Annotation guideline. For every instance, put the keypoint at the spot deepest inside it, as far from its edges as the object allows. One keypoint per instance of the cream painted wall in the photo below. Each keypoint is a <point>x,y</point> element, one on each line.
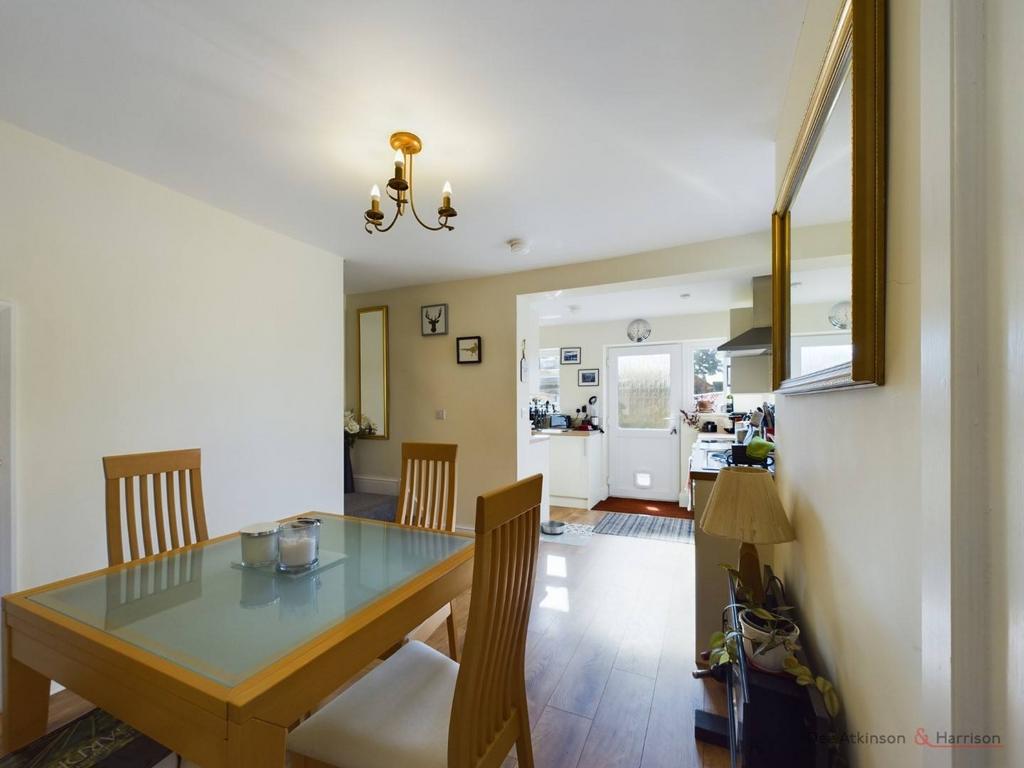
<point>147,320</point>
<point>850,462</point>
<point>593,338</point>
<point>486,409</point>
<point>482,400</point>
<point>1004,168</point>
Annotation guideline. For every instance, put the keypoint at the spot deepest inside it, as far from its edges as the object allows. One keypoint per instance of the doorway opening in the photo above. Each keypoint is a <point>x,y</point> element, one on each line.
<point>635,367</point>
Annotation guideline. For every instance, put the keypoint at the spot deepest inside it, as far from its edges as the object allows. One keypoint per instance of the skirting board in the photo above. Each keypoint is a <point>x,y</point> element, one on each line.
<point>388,486</point>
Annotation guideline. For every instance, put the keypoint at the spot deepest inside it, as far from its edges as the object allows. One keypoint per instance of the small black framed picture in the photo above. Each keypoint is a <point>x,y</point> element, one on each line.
<point>588,377</point>
<point>434,320</point>
<point>571,355</point>
<point>469,350</point>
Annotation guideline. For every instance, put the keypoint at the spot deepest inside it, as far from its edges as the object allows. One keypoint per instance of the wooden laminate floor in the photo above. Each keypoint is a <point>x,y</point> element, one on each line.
<point>608,658</point>
<point>609,655</point>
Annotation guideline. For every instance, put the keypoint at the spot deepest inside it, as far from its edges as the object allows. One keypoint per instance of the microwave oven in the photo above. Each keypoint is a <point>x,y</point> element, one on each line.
<point>560,421</point>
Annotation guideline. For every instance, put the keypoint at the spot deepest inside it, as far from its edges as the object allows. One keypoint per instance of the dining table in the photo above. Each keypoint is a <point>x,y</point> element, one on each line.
<point>215,660</point>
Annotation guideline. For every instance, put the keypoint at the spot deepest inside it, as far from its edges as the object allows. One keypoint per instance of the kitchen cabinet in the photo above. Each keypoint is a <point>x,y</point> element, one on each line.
<point>577,469</point>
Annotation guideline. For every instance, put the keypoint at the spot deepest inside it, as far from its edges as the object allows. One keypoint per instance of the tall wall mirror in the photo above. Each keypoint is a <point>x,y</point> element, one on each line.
<point>372,342</point>
<point>828,226</point>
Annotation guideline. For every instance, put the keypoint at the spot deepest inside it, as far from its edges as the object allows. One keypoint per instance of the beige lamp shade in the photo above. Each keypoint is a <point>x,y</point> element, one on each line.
<point>745,505</point>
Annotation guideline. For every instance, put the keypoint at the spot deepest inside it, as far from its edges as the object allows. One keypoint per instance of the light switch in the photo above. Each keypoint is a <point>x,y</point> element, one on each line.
<point>441,414</point>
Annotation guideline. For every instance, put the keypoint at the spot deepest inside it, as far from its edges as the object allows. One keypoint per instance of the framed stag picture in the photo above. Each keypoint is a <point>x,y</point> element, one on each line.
<point>588,377</point>
<point>469,350</point>
<point>434,320</point>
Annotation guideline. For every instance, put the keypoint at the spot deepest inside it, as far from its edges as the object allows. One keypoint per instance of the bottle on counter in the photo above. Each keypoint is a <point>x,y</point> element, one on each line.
<point>729,407</point>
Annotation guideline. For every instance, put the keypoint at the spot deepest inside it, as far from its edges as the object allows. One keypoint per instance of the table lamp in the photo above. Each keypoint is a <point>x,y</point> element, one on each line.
<point>745,505</point>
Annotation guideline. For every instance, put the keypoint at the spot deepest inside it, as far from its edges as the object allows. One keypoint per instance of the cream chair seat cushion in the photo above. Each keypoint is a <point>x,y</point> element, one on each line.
<point>397,715</point>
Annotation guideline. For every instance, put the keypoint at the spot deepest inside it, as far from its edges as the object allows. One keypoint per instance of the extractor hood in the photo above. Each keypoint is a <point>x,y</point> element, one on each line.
<point>758,339</point>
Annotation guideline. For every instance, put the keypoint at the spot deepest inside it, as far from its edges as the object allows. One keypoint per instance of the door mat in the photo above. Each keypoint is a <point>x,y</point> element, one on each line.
<point>643,507</point>
<point>646,527</point>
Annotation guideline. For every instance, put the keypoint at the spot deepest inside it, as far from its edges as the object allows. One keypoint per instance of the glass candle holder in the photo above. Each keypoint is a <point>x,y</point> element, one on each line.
<point>298,545</point>
<point>259,544</point>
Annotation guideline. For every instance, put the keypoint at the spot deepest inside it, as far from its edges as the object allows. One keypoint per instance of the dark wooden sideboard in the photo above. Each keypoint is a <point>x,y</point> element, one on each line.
<point>772,722</point>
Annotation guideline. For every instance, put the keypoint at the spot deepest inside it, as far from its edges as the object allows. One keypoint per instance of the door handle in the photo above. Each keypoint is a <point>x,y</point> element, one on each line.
<point>674,431</point>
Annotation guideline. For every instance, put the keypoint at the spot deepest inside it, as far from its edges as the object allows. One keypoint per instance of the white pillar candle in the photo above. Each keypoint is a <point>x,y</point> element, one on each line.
<point>297,551</point>
<point>259,544</point>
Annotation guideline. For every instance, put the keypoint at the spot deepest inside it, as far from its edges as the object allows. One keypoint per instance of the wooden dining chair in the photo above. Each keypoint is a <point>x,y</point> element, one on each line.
<point>420,709</point>
<point>172,481</point>
<point>426,499</point>
<point>426,494</point>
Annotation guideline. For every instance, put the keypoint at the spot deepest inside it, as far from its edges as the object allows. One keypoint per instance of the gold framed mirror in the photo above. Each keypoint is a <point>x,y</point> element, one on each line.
<point>828,226</point>
<point>372,391</point>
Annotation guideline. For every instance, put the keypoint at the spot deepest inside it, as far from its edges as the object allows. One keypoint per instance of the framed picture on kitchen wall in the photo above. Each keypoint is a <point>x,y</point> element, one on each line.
<point>571,355</point>
<point>588,377</point>
<point>434,320</point>
<point>469,350</point>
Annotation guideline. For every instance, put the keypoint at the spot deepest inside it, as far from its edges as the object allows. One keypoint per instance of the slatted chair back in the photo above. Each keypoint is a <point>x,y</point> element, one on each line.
<point>426,494</point>
<point>489,712</point>
<point>155,500</point>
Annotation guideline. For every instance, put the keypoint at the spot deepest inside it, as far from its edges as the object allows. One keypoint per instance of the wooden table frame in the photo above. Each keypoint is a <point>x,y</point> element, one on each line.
<point>211,724</point>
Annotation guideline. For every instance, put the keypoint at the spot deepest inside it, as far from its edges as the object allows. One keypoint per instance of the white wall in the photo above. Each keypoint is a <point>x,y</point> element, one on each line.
<point>850,463</point>
<point>147,320</point>
<point>532,456</point>
<point>1004,230</point>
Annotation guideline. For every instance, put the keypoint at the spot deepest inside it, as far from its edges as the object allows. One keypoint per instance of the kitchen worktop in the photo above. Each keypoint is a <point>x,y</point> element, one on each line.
<point>566,432</point>
<point>709,471</point>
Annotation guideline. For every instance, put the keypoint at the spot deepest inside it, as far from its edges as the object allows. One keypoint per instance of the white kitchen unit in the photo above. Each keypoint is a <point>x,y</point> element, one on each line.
<point>577,469</point>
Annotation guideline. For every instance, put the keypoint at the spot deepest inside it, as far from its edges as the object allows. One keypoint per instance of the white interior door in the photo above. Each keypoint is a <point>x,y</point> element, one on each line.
<point>645,390</point>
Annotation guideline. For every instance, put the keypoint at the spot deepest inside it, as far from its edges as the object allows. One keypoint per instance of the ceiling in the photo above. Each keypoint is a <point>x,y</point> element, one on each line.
<point>819,280</point>
<point>585,129</point>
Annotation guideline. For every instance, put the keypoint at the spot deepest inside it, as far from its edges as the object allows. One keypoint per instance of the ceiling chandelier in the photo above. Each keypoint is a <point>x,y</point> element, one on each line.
<point>406,145</point>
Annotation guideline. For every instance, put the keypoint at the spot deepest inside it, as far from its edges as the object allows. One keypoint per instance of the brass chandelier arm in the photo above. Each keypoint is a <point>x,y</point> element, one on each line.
<point>412,202</point>
<point>378,227</point>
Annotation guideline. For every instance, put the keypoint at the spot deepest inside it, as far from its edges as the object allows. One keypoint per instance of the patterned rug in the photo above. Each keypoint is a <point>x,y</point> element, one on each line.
<point>575,534</point>
<point>95,740</point>
<point>646,527</point>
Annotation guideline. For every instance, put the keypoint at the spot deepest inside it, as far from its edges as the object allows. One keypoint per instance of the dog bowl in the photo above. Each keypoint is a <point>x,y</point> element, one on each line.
<point>553,527</point>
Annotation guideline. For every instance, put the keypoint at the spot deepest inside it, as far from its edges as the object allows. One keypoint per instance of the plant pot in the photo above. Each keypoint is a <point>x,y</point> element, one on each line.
<point>758,632</point>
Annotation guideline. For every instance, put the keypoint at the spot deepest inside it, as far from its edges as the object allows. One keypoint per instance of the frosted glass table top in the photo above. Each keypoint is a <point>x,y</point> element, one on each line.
<point>198,609</point>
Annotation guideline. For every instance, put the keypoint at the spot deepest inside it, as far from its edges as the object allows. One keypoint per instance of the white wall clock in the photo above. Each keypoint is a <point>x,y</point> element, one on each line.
<point>841,315</point>
<point>638,330</point>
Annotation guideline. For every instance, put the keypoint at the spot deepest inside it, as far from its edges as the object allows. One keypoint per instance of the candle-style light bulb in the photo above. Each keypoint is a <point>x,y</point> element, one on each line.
<point>446,195</point>
<point>375,193</point>
<point>399,159</point>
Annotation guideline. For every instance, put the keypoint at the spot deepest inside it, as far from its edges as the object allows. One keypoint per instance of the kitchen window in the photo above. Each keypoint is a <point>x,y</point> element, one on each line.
<point>549,379</point>
<point>704,370</point>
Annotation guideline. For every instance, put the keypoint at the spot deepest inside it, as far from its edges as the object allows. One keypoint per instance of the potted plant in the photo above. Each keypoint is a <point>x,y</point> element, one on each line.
<point>768,638</point>
<point>353,430</point>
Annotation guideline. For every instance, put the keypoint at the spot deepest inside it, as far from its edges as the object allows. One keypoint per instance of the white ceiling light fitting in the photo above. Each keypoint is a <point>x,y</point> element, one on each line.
<point>518,246</point>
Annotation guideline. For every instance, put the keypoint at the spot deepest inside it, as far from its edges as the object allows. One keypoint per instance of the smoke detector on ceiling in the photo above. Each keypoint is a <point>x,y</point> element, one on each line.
<point>518,247</point>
